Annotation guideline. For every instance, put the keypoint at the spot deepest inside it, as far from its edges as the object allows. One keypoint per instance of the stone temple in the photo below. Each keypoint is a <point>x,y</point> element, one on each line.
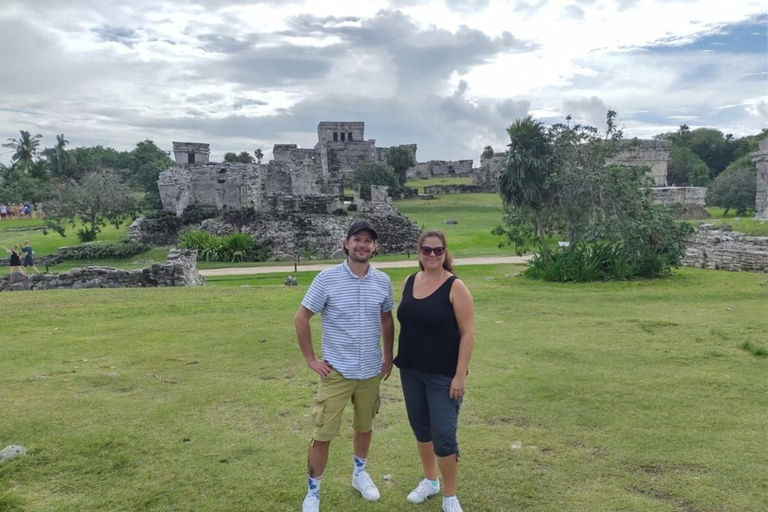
<point>341,148</point>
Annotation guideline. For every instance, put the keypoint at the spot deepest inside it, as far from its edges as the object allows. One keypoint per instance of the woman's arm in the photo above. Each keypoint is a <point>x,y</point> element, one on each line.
<point>464,309</point>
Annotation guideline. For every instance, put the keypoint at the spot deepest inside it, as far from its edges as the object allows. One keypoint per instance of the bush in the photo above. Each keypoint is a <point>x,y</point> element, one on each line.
<point>161,221</point>
<point>598,262</point>
<point>86,234</point>
<point>119,250</point>
<point>235,247</point>
<point>736,187</point>
<point>196,213</point>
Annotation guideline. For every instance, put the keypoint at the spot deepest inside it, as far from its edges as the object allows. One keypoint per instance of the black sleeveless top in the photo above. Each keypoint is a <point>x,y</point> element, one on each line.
<point>429,334</point>
<point>15,260</point>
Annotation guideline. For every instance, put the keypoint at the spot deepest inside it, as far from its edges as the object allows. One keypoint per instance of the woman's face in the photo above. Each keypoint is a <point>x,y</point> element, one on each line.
<point>432,260</point>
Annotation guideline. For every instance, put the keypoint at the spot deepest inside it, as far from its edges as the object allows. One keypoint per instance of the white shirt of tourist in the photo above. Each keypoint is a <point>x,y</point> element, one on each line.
<point>351,309</point>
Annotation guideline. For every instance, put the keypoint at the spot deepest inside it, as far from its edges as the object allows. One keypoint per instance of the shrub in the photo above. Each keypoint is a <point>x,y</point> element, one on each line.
<point>209,247</point>
<point>736,187</point>
<point>86,234</point>
<point>119,250</point>
<point>237,247</point>
<point>161,221</point>
<point>196,213</point>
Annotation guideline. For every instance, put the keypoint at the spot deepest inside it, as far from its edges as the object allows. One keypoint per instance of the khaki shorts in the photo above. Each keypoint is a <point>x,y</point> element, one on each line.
<point>333,393</point>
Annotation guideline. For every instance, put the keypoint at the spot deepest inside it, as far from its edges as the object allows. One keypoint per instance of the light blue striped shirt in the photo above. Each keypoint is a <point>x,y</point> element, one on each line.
<point>351,310</point>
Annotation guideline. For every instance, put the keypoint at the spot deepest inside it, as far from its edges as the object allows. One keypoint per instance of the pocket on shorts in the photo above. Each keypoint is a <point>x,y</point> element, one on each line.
<point>319,411</point>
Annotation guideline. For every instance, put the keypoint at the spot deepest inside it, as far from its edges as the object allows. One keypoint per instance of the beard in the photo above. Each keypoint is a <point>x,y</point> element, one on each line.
<point>358,258</point>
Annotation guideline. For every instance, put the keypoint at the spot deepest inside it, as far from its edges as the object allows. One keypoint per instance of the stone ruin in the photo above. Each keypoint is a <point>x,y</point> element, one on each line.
<point>296,198</point>
<point>760,159</point>
<point>180,269</point>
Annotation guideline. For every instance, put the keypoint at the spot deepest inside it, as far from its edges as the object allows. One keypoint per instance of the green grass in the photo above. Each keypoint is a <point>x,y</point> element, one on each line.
<point>594,397</point>
<point>743,224</point>
<point>16,231</point>
<point>477,214</point>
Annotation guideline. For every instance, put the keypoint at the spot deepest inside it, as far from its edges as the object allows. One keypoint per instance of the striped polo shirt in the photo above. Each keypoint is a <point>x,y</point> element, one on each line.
<point>351,309</point>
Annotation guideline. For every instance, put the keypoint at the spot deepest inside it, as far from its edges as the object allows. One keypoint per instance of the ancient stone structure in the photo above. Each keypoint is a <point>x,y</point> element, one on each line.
<point>653,154</point>
<point>668,196</point>
<point>488,173</point>
<point>190,153</point>
<point>719,248</point>
<point>440,168</point>
<point>459,189</point>
<point>179,270</point>
<point>760,159</point>
<point>341,149</point>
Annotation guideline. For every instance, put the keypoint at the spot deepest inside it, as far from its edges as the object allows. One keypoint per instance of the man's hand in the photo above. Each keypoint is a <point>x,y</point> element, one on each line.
<point>386,367</point>
<point>457,387</point>
<point>321,367</point>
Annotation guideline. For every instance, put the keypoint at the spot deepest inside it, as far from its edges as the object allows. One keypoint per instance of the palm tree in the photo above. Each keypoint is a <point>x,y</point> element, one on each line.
<point>61,154</point>
<point>259,155</point>
<point>524,180</point>
<point>25,148</point>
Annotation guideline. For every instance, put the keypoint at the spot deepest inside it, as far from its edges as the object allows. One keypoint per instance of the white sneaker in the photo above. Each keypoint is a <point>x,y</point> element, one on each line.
<point>363,483</point>
<point>311,503</point>
<point>452,505</point>
<point>424,490</point>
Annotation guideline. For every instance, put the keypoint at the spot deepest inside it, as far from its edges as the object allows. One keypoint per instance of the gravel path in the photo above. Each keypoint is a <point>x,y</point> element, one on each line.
<point>235,271</point>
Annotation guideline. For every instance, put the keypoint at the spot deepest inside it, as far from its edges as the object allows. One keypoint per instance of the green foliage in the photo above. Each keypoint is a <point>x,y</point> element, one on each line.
<point>400,159</point>
<point>100,198</point>
<point>196,213</point>
<point>119,250</point>
<point>161,222</point>
<point>244,157</point>
<point>259,154</point>
<point>374,173</point>
<point>17,186</point>
<point>754,349</point>
<point>24,148</point>
<point>86,234</point>
<point>710,145</point>
<point>488,151</point>
<point>92,159</point>
<point>735,188</point>
<point>146,163</point>
<point>234,247</point>
<point>686,168</point>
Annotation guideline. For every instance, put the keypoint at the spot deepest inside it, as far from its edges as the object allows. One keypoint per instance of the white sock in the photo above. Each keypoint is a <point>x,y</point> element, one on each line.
<point>313,485</point>
<point>359,465</point>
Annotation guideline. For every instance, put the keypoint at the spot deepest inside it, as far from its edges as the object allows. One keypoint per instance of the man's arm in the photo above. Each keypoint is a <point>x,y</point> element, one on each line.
<point>388,334</point>
<point>304,335</point>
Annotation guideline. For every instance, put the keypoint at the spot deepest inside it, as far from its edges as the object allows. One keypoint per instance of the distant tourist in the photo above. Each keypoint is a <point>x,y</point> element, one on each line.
<point>437,335</point>
<point>29,260</point>
<point>15,259</point>
<point>356,303</point>
<point>3,212</point>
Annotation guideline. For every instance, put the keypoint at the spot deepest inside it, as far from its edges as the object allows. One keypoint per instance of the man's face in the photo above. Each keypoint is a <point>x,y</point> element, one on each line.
<point>360,246</point>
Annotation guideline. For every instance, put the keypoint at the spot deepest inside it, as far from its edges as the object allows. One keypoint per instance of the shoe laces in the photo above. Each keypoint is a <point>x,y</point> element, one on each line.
<point>452,506</point>
<point>364,480</point>
<point>424,488</point>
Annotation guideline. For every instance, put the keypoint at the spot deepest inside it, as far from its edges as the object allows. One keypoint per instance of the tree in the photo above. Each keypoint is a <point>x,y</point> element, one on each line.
<point>488,152</point>
<point>243,157</point>
<point>146,164</point>
<point>684,167</point>
<point>374,173</point>
<point>24,148</point>
<point>525,180</point>
<point>259,154</point>
<point>400,159</point>
<point>60,160</point>
<point>100,198</point>
<point>94,158</point>
<point>735,188</point>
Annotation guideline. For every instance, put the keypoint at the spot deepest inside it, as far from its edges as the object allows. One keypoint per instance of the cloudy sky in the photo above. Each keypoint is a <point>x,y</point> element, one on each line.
<point>448,75</point>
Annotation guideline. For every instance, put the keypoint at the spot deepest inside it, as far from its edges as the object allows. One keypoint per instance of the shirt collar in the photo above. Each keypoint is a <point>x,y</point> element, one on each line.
<point>349,270</point>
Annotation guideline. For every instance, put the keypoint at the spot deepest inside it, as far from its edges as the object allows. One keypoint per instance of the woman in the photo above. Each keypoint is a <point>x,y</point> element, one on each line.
<point>15,259</point>
<point>437,326</point>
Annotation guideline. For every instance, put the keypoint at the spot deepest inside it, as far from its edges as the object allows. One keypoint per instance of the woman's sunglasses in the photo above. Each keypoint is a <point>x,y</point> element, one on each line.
<point>426,251</point>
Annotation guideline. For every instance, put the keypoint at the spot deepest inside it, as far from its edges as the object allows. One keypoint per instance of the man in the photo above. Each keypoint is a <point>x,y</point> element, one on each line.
<point>356,303</point>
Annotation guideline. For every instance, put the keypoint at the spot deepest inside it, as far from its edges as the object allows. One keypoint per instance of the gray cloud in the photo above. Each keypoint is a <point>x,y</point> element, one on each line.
<point>467,6</point>
<point>510,109</point>
<point>591,111</point>
<point>574,11</point>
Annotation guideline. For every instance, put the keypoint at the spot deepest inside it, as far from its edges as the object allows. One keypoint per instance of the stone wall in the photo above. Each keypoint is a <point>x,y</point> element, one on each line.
<point>179,270</point>
<point>458,189</point>
<point>488,173</point>
<point>760,159</point>
<point>719,248</point>
<point>688,196</point>
<point>441,168</point>
<point>653,154</point>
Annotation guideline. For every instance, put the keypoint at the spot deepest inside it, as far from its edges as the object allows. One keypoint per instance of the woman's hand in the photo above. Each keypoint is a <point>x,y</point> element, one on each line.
<point>458,385</point>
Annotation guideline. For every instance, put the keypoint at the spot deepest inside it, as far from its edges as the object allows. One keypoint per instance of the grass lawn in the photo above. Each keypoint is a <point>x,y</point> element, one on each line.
<point>743,224</point>
<point>16,231</point>
<point>592,397</point>
<point>477,214</point>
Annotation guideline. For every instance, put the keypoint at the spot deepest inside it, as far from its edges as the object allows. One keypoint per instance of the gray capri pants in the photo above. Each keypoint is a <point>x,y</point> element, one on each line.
<point>431,412</point>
